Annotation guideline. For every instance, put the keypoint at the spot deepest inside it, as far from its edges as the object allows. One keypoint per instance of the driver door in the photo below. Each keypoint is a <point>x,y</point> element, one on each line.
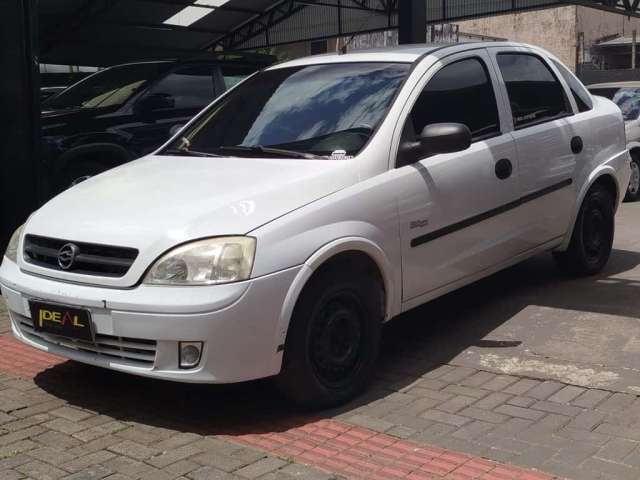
<point>455,209</point>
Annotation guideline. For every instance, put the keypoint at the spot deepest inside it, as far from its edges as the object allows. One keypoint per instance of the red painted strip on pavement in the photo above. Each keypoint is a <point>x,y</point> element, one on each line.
<point>327,444</point>
<point>24,361</point>
<point>358,453</point>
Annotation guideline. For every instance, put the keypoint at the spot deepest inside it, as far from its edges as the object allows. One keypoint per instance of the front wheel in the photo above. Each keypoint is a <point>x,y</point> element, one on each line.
<point>333,341</point>
<point>592,239</point>
<point>633,192</point>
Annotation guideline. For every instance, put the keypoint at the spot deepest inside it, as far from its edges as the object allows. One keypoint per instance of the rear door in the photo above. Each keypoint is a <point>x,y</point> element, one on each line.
<point>547,143</point>
<point>455,220</point>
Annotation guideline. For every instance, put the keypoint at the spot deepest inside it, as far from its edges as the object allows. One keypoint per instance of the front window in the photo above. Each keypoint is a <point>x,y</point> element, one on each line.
<point>316,110</point>
<point>186,88</point>
<point>460,92</point>
<point>108,88</point>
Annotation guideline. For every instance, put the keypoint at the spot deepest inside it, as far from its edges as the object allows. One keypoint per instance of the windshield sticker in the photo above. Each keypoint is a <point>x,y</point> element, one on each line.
<point>340,155</point>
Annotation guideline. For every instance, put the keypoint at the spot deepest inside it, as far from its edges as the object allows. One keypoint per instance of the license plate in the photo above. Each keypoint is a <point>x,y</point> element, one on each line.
<point>60,320</point>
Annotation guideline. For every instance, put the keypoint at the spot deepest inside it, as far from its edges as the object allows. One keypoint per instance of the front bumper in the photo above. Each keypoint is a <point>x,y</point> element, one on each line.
<point>138,330</point>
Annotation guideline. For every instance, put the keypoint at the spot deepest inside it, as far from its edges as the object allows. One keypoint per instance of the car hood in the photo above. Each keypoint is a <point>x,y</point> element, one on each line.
<point>46,114</point>
<point>54,116</point>
<point>158,202</point>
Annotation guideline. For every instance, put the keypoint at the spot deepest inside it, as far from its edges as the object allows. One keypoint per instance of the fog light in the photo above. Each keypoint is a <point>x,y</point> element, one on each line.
<point>190,353</point>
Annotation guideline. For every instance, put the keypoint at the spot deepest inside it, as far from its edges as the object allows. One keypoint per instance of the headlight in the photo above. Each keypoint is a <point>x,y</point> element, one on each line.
<point>205,262</point>
<point>12,249</point>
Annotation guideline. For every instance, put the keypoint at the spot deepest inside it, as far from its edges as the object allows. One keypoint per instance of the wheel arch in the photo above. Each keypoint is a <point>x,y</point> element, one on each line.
<point>634,149</point>
<point>117,153</point>
<point>606,176</point>
<point>344,249</point>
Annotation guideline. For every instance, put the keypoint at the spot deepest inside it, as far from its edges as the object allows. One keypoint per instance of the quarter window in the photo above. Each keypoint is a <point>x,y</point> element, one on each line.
<point>535,93</point>
<point>579,92</point>
<point>460,92</point>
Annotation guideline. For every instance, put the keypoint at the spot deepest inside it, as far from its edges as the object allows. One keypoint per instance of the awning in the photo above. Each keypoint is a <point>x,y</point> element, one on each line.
<point>107,32</point>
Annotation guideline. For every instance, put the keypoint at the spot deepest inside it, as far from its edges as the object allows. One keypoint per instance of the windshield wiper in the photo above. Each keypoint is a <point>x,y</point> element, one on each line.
<point>184,151</point>
<point>268,151</point>
<point>187,153</point>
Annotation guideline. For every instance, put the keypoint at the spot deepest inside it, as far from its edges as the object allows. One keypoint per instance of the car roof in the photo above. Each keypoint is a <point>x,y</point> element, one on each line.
<point>615,85</point>
<point>259,59</point>
<point>402,54</point>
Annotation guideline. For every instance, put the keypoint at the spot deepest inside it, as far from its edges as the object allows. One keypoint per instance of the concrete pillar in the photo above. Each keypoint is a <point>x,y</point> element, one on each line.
<point>633,49</point>
<point>19,128</point>
<point>412,21</point>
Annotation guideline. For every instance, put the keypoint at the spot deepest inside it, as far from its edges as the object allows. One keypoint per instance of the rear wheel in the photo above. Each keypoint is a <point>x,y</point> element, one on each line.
<point>633,192</point>
<point>333,340</point>
<point>592,238</point>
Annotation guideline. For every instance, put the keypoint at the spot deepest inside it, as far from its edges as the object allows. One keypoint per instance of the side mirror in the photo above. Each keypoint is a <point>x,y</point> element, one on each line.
<point>435,139</point>
<point>154,102</point>
<point>444,138</point>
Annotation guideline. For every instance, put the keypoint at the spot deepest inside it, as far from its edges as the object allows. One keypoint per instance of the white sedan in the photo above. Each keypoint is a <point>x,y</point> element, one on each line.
<point>321,197</point>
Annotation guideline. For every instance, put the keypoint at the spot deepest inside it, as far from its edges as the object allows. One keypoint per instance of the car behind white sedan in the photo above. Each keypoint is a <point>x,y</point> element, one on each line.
<point>627,96</point>
<point>281,227</point>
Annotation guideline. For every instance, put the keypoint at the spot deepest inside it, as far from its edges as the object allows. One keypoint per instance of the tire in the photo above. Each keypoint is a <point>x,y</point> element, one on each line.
<point>633,192</point>
<point>592,238</point>
<point>333,341</point>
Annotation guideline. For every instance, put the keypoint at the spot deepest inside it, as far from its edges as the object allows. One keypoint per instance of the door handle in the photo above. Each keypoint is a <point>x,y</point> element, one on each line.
<point>577,145</point>
<point>504,169</point>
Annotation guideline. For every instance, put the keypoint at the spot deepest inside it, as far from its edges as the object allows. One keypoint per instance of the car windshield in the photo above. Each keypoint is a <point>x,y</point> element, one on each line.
<point>627,98</point>
<point>299,112</point>
<point>108,88</point>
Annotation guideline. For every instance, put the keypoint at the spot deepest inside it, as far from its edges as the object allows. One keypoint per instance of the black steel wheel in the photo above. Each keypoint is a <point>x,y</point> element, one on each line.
<point>333,340</point>
<point>592,239</point>
<point>336,338</point>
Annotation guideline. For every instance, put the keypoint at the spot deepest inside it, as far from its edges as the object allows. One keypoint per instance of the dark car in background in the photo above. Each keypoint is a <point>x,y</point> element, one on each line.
<point>124,112</point>
<point>48,92</point>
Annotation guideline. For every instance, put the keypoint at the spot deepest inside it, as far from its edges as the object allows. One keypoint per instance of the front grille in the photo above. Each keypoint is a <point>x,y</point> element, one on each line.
<point>90,258</point>
<point>132,350</point>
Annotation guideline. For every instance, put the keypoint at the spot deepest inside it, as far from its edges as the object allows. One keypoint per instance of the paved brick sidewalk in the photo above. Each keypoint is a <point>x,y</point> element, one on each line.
<point>77,421</point>
<point>73,421</point>
<point>560,429</point>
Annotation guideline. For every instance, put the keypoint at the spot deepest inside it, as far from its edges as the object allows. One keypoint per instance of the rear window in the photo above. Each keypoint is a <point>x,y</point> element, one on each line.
<point>234,74</point>
<point>535,93</point>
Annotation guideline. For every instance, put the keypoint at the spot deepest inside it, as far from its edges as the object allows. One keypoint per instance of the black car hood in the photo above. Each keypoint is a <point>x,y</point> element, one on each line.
<point>72,114</point>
